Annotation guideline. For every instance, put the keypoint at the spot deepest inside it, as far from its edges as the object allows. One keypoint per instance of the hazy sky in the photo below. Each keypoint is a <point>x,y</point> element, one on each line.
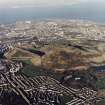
<point>19,3</point>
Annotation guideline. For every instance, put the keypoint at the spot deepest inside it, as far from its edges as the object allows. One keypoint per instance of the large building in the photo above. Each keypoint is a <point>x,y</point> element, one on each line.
<point>3,50</point>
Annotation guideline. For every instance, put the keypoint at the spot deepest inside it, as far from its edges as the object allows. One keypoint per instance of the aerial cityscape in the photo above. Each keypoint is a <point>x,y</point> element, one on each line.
<point>51,57</point>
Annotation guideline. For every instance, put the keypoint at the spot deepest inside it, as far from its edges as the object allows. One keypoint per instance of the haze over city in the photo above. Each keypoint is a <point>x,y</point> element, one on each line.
<point>29,3</point>
<point>17,10</point>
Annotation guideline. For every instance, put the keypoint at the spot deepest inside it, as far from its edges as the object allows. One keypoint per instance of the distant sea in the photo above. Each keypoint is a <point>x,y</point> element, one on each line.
<point>91,12</point>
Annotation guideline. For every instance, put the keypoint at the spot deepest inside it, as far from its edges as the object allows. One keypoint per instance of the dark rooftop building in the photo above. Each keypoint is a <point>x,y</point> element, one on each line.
<point>100,69</point>
<point>3,49</point>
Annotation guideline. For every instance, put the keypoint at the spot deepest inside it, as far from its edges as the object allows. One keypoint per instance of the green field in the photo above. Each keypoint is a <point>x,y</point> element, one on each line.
<point>101,103</point>
<point>101,83</point>
<point>31,70</point>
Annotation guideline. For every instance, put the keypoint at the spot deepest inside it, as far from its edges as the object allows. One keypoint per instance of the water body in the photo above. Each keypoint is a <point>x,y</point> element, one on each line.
<point>86,11</point>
